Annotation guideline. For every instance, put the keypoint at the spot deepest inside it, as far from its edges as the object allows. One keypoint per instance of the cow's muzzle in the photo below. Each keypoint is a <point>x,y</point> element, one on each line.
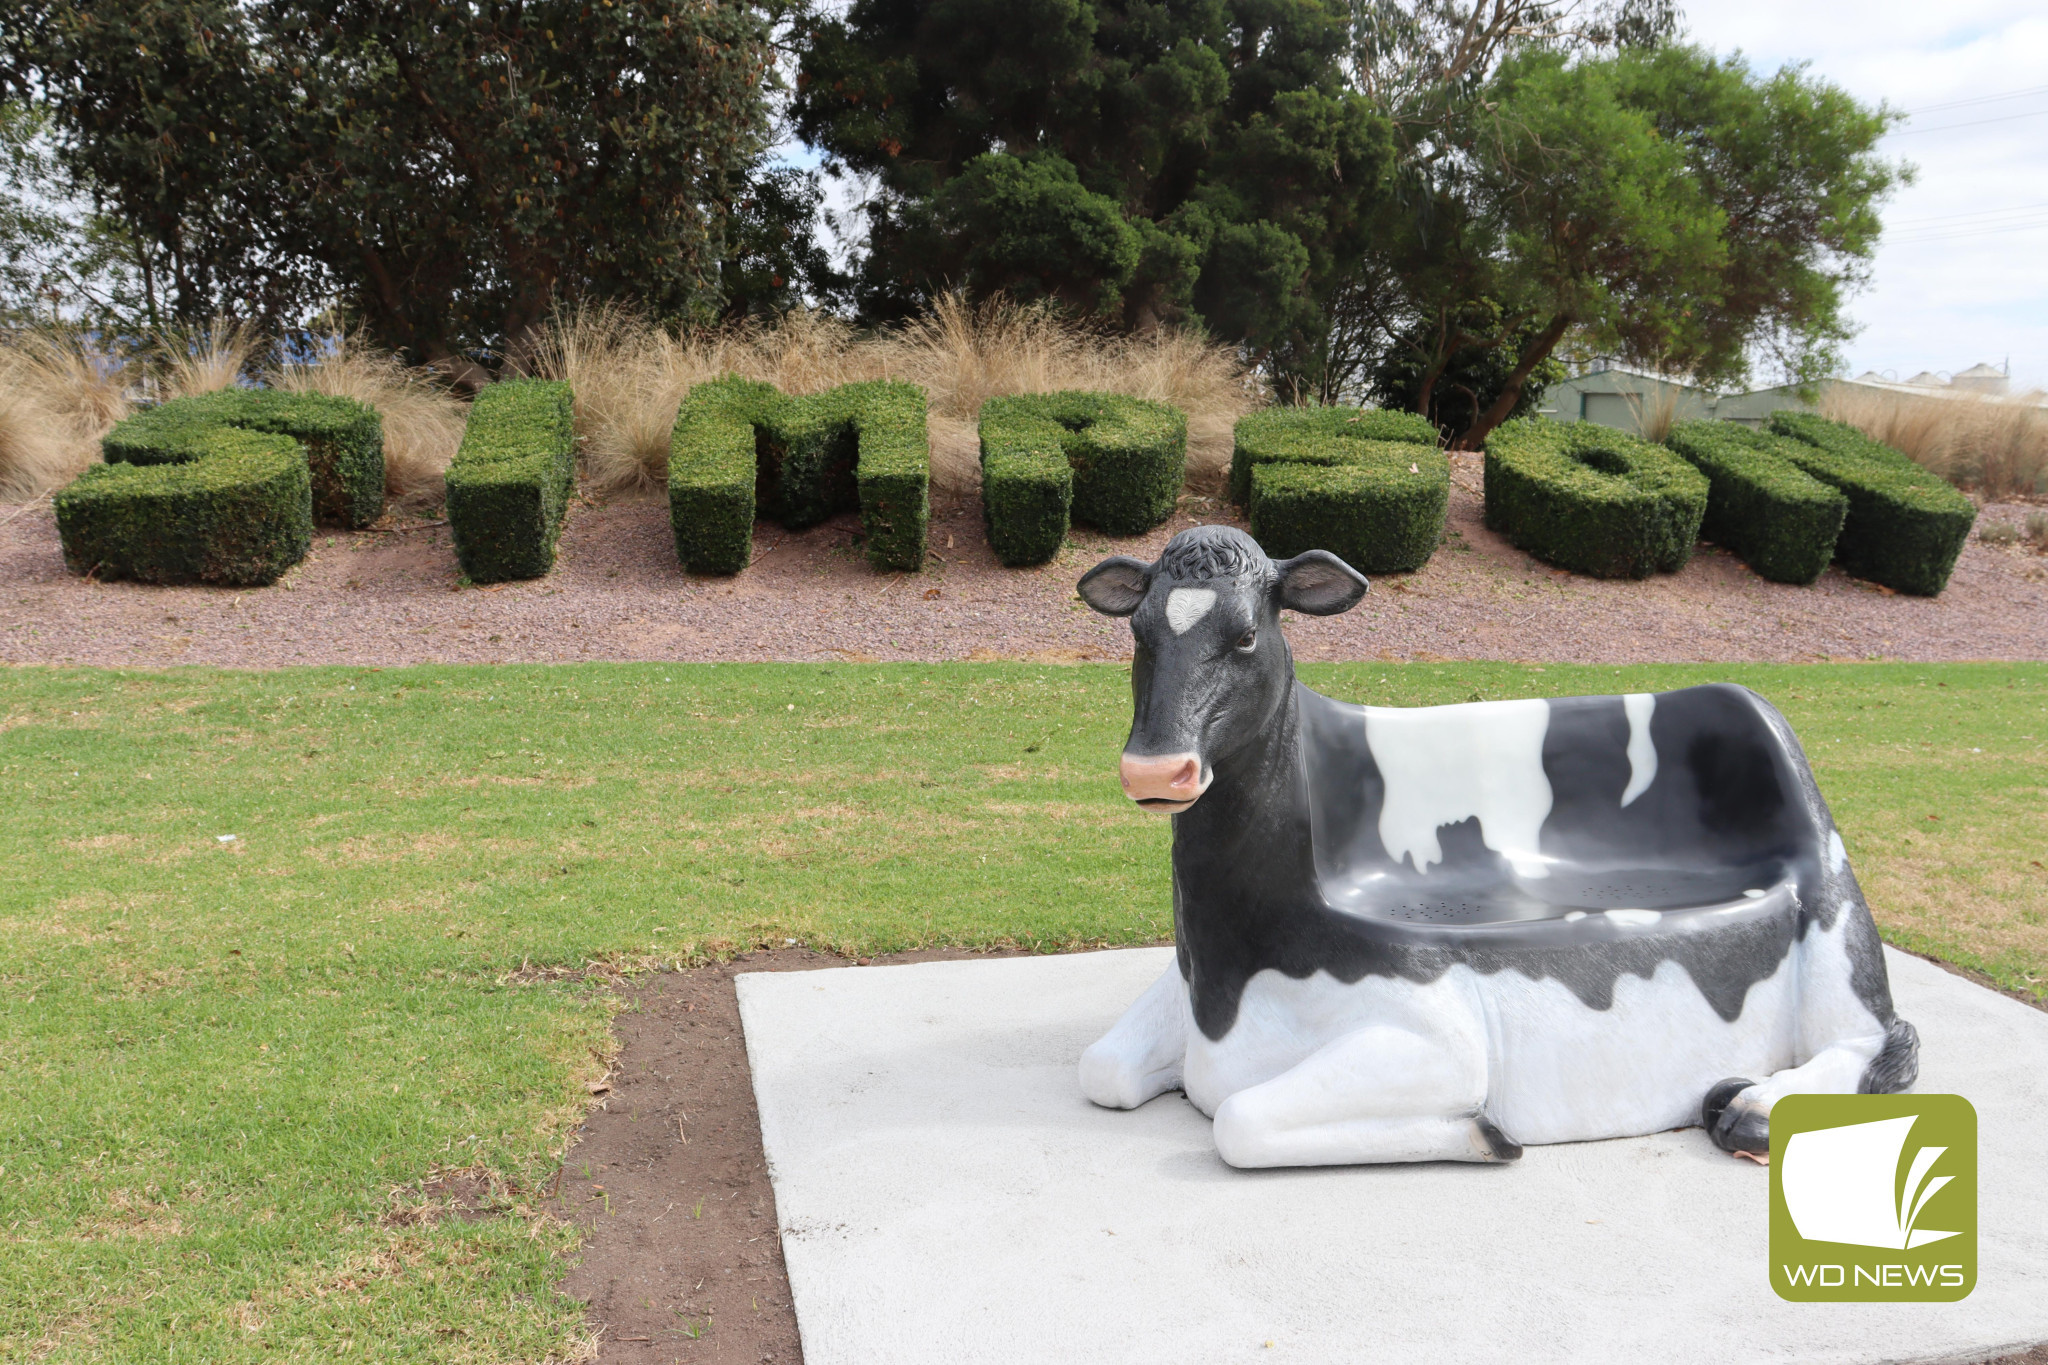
<point>1167,783</point>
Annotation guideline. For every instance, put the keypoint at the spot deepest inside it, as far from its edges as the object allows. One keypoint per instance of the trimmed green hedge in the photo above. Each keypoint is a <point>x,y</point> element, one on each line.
<point>741,449</point>
<point>510,481</point>
<point>1905,525</point>
<point>1592,499</point>
<point>196,490</point>
<point>1306,436</point>
<point>1782,521</point>
<point>343,441</point>
<point>1103,459</point>
<point>713,464</point>
<point>178,504</point>
<point>1369,486</point>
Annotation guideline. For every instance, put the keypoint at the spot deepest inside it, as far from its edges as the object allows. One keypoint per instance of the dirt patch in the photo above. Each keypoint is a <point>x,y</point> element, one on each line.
<point>683,1255</point>
<point>618,593</point>
<point>465,1193</point>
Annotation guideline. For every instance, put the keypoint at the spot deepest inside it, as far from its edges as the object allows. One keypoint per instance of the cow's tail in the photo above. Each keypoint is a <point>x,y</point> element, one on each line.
<point>1896,1065</point>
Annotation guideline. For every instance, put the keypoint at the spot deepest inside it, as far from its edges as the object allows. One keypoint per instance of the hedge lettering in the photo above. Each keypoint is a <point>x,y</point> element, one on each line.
<point>1369,486</point>
<point>1105,460</point>
<point>1905,525</point>
<point>1761,505</point>
<point>741,449</point>
<point>223,487</point>
<point>1592,499</point>
<point>511,478</point>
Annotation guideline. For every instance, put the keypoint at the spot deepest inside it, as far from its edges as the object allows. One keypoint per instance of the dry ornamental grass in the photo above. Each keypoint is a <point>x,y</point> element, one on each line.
<point>59,393</point>
<point>1995,446</point>
<point>422,418</point>
<point>205,358</point>
<point>629,376</point>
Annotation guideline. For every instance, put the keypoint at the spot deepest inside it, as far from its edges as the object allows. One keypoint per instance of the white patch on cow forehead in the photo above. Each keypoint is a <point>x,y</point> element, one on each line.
<point>1185,606</point>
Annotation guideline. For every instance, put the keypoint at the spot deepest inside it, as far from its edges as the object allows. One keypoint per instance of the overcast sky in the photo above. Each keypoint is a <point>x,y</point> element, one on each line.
<point>1962,275</point>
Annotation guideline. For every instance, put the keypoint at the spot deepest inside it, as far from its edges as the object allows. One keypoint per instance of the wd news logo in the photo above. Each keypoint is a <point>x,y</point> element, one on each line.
<point>1873,1197</point>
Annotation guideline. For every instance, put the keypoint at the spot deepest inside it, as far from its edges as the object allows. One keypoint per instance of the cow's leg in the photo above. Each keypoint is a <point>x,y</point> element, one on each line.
<point>1380,1093</point>
<point>1140,1057</point>
<point>1849,1048</point>
<point>1737,1112</point>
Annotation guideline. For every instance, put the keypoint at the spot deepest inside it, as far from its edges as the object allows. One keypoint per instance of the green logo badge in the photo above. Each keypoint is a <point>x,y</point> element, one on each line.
<point>1873,1198</point>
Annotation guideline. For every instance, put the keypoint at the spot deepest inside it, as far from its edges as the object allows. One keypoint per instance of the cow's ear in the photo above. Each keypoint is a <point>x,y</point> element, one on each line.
<point>1116,586</point>
<point>1319,584</point>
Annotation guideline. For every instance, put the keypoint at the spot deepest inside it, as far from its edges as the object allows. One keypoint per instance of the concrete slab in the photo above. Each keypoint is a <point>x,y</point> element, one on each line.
<point>946,1195</point>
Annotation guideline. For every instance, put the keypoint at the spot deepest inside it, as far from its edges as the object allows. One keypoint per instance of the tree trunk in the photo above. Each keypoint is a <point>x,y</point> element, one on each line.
<point>1426,395</point>
<point>1474,436</point>
<point>1448,344</point>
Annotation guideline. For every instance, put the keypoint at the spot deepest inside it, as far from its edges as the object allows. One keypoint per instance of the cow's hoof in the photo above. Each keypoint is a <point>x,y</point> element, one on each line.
<point>1494,1145</point>
<point>1733,1125</point>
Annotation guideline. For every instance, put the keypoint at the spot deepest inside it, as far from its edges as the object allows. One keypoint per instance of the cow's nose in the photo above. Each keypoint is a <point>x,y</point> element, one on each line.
<point>1164,782</point>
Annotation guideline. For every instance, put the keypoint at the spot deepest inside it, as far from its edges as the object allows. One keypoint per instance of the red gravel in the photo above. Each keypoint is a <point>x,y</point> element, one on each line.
<point>382,598</point>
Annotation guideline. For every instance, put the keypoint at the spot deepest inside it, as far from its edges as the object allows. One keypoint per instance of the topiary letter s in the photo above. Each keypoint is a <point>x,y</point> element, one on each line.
<point>1370,486</point>
<point>223,487</point>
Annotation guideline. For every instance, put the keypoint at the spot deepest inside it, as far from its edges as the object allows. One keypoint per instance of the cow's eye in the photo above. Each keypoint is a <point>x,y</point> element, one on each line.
<point>1249,640</point>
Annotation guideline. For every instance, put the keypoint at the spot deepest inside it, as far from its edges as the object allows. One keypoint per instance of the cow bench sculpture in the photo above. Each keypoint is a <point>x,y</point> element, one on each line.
<point>1438,933</point>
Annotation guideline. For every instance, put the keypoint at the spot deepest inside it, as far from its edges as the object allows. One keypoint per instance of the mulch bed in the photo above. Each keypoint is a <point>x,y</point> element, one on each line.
<point>682,1259</point>
<point>395,597</point>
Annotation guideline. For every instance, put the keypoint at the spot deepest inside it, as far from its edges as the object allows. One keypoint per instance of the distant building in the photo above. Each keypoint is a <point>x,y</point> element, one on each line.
<point>1617,396</point>
<point>1982,379</point>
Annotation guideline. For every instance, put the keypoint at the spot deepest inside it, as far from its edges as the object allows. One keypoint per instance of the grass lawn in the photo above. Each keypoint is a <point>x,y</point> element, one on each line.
<point>226,1062</point>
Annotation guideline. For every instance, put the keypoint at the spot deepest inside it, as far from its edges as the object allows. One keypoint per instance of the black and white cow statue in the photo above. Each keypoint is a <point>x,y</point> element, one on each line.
<point>1438,933</point>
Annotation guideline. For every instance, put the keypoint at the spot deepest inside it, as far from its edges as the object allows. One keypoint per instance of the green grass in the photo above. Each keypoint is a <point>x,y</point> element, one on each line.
<point>224,1064</point>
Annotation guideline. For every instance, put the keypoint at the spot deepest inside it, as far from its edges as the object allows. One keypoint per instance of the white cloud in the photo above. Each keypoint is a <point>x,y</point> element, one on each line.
<point>1962,275</point>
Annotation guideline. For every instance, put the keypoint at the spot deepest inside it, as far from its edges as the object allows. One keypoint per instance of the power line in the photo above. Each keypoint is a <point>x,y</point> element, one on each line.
<point>1978,213</point>
<point>1915,239</point>
<point>1977,99</point>
<point>1970,123</point>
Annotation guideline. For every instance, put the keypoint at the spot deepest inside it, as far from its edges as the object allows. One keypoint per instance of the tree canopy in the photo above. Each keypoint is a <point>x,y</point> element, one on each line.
<point>446,171</point>
<point>1136,161</point>
<point>1659,204</point>
<point>58,259</point>
<point>1371,199</point>
<point>1423,201</point>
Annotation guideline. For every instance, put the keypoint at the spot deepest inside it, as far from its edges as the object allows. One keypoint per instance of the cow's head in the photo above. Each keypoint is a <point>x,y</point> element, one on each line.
<point>1211,666</point>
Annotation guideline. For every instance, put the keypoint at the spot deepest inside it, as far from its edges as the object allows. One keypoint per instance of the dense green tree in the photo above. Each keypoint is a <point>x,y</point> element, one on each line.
<point>1138,161</point>
<point>774,259</point>
<point>158,109</point>
<point>1653,201</point>
<point>449,171</point>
